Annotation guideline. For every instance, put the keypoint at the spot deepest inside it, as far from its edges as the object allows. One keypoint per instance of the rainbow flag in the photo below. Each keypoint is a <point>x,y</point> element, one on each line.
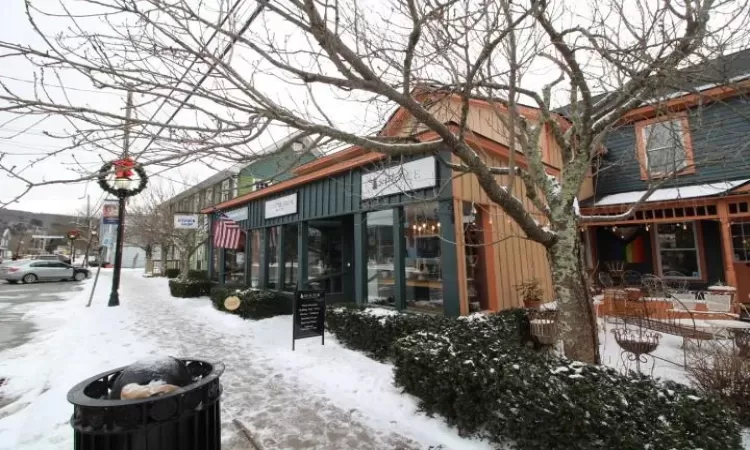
<point>635,251</point>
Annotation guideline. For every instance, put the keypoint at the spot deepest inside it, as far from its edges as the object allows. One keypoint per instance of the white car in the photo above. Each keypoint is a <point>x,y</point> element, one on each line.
<point>31,271</point>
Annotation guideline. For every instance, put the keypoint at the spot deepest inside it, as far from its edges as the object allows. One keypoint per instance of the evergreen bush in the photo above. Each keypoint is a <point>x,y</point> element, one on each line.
<point>172,273</point>
<point>486,384</point>
<point>197,274</point>
<point>189,288</point>
<point>477,372</point>
<point>254,304</point>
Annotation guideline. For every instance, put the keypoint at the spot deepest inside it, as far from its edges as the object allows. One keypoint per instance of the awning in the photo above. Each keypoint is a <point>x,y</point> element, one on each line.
<point>671,194</point>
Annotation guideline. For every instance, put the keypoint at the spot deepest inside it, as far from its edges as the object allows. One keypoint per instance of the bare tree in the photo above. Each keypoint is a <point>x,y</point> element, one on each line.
<point>150,224</point>
<point>229,76</point>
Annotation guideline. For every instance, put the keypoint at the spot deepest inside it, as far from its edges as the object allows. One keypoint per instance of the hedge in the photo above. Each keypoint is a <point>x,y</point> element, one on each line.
<point>197,274</point>
<point>374,331</point>
<point>189,288</point>
<point>477,373</point>
<point>254,304</point>
<point>172,273</point>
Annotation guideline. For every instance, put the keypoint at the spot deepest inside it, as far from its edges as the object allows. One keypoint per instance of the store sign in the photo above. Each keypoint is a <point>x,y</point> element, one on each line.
<point>309,315</point>
<point>186,221</point>
<point>237,214</point>
<point>419,174</point>
<point>282,206</point>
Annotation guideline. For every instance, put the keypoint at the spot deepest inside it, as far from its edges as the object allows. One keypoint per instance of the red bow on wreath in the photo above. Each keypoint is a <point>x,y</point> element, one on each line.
<point>123,168</point>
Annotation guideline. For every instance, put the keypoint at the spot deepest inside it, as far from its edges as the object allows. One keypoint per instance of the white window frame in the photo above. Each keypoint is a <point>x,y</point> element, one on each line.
<point>647,151</point>
<point>697,249</point>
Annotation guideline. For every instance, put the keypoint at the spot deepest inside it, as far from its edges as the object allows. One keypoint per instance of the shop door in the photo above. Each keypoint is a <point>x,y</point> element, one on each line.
<point>741,252</point>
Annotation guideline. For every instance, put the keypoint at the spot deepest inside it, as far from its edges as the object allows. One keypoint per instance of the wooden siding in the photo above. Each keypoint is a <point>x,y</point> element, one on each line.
<point>483,120</point>
<point>719,133</point>
<point>517,259</point>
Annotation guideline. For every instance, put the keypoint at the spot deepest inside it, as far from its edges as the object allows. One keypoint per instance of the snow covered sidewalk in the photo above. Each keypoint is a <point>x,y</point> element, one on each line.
<point>318,397</point>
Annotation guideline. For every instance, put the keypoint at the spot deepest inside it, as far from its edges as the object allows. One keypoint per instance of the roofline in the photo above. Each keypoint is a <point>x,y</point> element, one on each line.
<point>363,159</point>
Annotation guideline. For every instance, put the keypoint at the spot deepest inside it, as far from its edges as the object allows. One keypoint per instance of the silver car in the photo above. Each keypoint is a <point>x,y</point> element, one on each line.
<point>31,271</point>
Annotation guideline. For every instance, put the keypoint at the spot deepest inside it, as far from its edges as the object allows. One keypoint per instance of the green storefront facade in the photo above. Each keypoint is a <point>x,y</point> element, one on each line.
<point>377,232</point>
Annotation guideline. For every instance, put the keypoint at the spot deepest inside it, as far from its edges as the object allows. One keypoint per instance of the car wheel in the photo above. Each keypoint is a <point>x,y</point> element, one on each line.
<point>30,278</point>
<point>79,276</point>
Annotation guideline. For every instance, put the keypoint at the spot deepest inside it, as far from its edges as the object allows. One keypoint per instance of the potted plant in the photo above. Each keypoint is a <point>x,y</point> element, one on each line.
<point>531,292</point>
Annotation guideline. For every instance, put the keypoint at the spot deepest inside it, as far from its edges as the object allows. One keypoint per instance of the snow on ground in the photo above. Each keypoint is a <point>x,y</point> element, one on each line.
<point>324,397</point>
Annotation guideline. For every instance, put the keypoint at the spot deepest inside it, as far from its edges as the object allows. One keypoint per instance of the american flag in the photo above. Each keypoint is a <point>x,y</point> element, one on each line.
<point>227,233</point>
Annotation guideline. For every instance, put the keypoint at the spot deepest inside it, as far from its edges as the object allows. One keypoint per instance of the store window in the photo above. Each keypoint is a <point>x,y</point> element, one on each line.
<point>325,256</point>
<point>290,257</point>
<point>380,258</point>
<point>273,257</point>
<point>678,250</point>
<point>424,285</point>
<point>254,258</point>
<point>234,266</point>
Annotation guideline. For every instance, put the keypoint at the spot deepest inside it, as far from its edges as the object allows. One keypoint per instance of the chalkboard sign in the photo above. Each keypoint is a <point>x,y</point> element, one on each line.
<point>309,315</point>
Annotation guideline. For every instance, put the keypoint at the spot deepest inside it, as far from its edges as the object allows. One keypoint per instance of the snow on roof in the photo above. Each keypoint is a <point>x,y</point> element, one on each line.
<point>673,193</point>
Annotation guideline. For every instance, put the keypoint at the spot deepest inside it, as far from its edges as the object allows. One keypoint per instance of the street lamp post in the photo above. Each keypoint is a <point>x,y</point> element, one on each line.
<point>121,184</point>
<point>122,189</point>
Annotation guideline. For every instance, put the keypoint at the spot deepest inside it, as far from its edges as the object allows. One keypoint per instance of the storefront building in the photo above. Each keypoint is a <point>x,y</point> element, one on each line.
<point>409,234</point>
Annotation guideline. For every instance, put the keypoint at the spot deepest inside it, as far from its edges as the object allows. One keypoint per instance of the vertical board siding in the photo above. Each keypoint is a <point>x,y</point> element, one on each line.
<point>518,259</point>
<point>719,133</point>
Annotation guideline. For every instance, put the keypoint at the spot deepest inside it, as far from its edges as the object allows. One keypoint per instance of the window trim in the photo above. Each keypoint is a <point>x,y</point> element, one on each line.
<point>697,237</point>
<point>687,144</point>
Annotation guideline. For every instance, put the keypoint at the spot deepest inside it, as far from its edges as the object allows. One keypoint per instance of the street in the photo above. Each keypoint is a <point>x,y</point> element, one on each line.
<point>17,299</point>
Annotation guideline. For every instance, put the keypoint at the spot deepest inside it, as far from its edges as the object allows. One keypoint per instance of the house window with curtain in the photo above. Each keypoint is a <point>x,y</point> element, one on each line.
<point>664,147</point>
<point>678,253</point>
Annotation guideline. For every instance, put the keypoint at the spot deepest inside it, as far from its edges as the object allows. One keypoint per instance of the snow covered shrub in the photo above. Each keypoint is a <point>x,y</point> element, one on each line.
<point>717,368</point>
<point>254,304</point>
<point>172,273</point>
<point>189,288</point>
<point>197,274</point>
<point>374,330</point>
<point>482,381</point>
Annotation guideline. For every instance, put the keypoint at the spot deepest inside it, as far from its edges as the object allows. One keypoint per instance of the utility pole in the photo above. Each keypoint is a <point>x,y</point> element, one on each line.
<point>88,226</point>
<point>114,296</point>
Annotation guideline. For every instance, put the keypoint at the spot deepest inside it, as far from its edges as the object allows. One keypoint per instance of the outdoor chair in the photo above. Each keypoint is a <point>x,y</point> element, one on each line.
<point>631,278</point>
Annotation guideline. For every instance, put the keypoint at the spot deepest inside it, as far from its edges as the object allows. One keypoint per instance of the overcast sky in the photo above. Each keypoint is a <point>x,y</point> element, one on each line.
<point>24,139</point>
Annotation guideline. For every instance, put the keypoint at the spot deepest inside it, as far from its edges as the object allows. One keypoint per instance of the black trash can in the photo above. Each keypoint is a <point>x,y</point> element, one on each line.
<point>186,419</point>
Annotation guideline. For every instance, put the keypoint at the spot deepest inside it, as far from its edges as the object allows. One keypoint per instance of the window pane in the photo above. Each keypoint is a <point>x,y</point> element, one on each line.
<point>273,253</point>
<point>683,261</point>
<point>424,286</point>
<point>664,146</point>
<point>325,256</point>
<point>676,236</point>
<point>290,257</point>
<point>234,266</point>
<point>380,253</point>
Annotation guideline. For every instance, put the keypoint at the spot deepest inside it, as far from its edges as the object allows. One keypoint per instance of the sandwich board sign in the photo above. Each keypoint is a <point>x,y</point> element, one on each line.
<point>309,315</point>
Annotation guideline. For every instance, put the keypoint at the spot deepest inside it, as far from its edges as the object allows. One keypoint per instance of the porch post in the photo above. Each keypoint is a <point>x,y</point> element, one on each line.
<point>209,244</point>
<point>302,235</point>
<point>360,259</point>
<point>727,248</point>
<point>280,258</point>
<point>263,259</point>
<point>449,258</point>
<point>248,257</point>
<point>399,257</point>
<point>222,262</point>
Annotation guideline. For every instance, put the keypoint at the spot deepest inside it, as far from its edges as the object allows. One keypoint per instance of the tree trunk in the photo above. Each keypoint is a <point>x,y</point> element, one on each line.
<point>577,320</point>
<point>184,264</point>
<point>163,259</point>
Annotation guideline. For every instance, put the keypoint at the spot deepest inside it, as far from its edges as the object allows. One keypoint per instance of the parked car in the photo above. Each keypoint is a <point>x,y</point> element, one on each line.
<point>33,270</point>
<point>52,257</point>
